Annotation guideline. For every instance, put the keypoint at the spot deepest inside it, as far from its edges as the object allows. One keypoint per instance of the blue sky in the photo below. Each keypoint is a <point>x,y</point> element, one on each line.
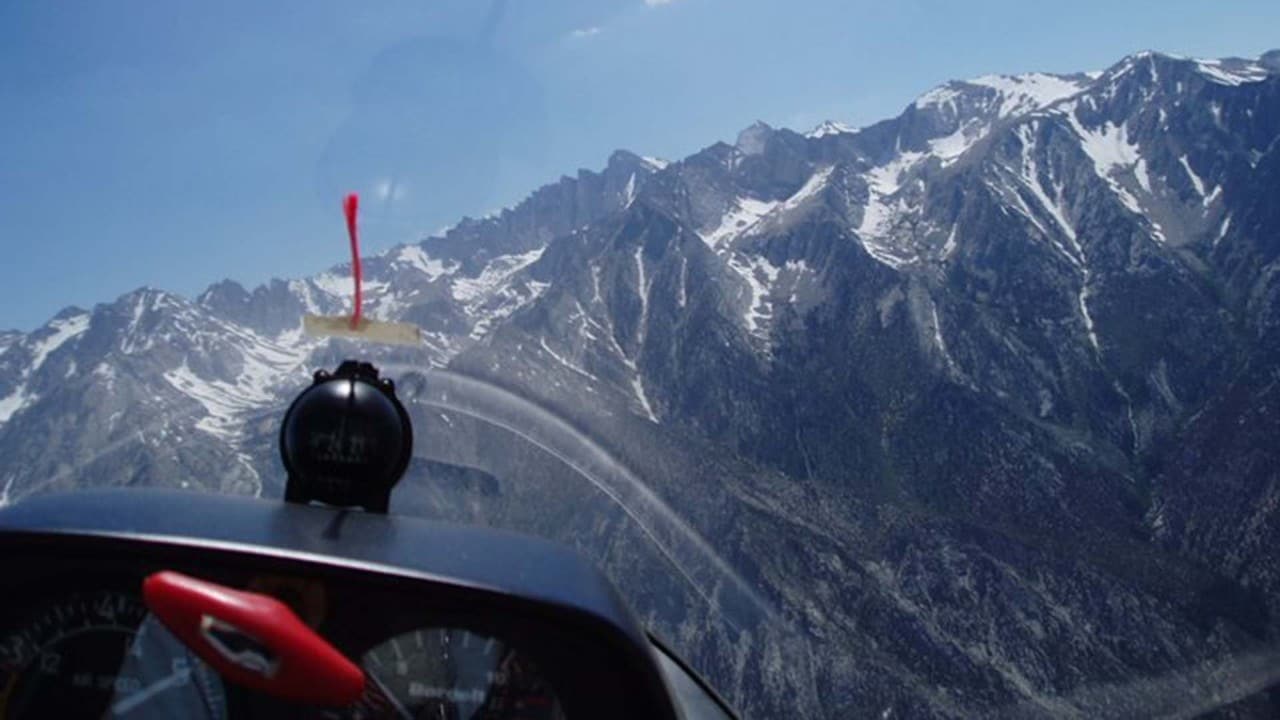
<point>175,143</point>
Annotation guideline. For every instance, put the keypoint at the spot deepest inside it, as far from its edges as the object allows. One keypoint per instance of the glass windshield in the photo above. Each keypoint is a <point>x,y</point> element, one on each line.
<point>898,360</point>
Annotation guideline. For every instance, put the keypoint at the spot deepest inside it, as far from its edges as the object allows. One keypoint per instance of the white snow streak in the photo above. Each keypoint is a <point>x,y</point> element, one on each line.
<point>1195,179</point>
<point>950,247</point>
<point>139,308</point>
<point>565,362</point>
<point>595,285</point>
<point>1083,299</point>
<point>1213,195</point>
<point>629,194</point>
<point>1140,172</point>
<point>682,296</point>
<point>760,275</point>
<point>16,400</point>
<point>937,336</point>
<point>642,288</point>
<point>637,385</point>
<point>1053,206</point>
<point>1216,111</point>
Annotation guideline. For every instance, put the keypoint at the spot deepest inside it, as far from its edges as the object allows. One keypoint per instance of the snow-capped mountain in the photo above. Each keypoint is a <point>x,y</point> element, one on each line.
<point>980,397</point>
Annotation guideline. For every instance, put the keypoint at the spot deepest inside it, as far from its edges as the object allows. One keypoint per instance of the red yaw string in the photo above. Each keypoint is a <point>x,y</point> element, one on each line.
<point>349,207</point>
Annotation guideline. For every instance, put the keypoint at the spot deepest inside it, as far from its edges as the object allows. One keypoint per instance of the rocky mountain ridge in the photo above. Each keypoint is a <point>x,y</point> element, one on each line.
<point>979,398</point>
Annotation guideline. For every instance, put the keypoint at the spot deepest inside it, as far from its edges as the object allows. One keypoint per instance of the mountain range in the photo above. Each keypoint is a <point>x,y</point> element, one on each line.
<point>980,400</point>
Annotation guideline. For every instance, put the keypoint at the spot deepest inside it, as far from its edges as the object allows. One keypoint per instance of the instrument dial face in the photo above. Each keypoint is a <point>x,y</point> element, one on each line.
<point>101,654</point>
<point>455,674</point>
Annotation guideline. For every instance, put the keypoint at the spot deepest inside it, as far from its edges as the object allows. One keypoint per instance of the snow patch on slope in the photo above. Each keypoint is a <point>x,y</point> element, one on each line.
<point>655,163</point>
<point>830,127</point>
<point>1112,153</point>
<point>882,209</point>
<point>744,212</point>
<point>1108,146</point>
<point>949,148</point>
<point>811,188</point>
<point>63,330</point>
<point>302,290</point>
<point>469,290</point>
<point>264,365</point>
<point>1016,95</point>
<point>504,303</point>
<point>1240,74</point>
<point>1028,92</point>
<point>416,257</point>
<point>331,283</point>
<point>937,97</point>
<point>223,402</point>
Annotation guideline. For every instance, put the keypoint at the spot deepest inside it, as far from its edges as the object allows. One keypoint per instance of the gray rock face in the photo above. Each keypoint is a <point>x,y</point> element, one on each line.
<point>979,400</point>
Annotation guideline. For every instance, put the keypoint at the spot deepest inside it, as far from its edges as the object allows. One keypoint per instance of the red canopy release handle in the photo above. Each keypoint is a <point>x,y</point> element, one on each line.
<point>350,206</point>
<point>254,640</point>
